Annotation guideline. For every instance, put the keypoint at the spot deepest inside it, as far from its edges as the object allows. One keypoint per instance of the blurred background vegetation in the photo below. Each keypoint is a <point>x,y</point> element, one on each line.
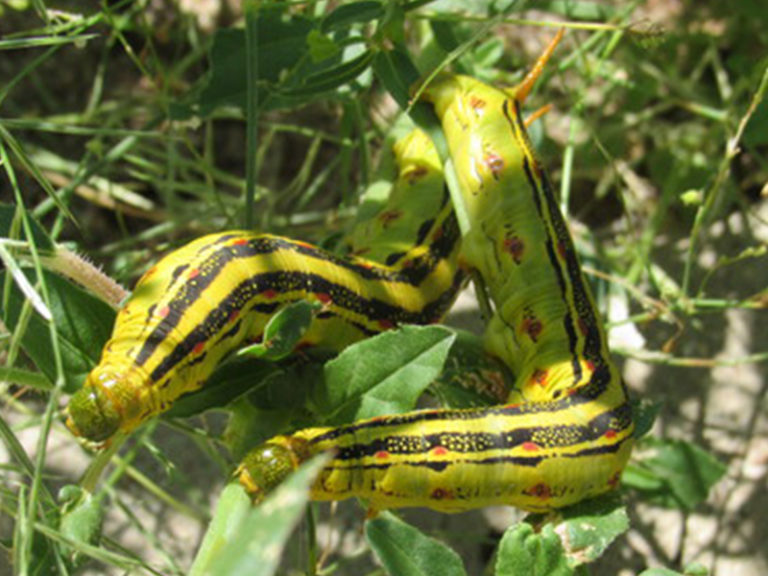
<point>125,125</point>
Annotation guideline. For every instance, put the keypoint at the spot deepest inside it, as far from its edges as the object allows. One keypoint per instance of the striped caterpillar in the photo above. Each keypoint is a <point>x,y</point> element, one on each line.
<point>567,432</point>
<point>204,300</point>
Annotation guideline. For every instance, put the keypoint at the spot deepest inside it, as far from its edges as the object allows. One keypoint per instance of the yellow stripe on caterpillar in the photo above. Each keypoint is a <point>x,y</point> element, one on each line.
<point>206,299</point>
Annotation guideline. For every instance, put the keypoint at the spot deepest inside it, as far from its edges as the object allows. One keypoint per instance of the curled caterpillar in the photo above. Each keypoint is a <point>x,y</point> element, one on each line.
<point>566,434</point>
<point>204,300</point>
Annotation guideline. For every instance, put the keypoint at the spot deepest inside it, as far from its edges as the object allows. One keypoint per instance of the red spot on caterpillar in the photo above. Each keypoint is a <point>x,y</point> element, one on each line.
<point>561,249</point>
<point>199,347</point>
<point>416,174</point>
<point>590,366</point>
<point>381,454</point>
<point>233,315</point>
<point>386,324</point>
<point>269,293</point>
<point>239,242</point>
<point>540,490</point>
<point>614,480</point>
<point>439,451</point>
<point>163,312</point>
<point>539,377</point>
<point>323,297</point>
<point>194,273</point>
<point>530,447</point>
<point>610,433</point>
<point>494,163</point>
<point>441,494</point>
<point>389,216</point>
<point>533,327</point>
<point>515,246</point>
<point>583,326</point>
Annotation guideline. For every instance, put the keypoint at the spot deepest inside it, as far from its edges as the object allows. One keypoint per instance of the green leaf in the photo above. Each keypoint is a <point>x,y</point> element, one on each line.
<point>397,73</point>
<point>81,522</point>
<point>321,47</point>
<point>282,42</point>
<point>588,528</point>
<point>523,552</point>
<point>333,77</point>
<point>383,375</point>
<point>83,323</point>
<point>406,551</point>
<point>229,381</point>
<point>252,542</point>
<point>675,473</point>
<point>231,511</point>
<point>346,15</point>
<point>644,413</point>
<point>283,331</point>
<point>7,217</point>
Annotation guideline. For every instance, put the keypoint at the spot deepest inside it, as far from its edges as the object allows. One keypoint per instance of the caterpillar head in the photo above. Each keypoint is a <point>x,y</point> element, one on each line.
<point>267,465</point>
<point>103,405</point>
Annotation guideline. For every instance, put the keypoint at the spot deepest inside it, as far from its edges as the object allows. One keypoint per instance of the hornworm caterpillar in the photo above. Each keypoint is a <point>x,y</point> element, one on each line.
<point>566,434</point>
<point>209,297</point>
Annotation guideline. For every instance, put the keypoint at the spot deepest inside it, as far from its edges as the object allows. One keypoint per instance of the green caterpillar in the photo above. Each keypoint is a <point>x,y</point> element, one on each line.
<point>567,432</point>
<point>206,299</point>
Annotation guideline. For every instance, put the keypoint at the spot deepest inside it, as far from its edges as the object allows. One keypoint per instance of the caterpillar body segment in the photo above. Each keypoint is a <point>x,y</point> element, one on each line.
<point>206,299</point>
<point>402,222</point>
<point>567,432</point>
<point>536,456</point>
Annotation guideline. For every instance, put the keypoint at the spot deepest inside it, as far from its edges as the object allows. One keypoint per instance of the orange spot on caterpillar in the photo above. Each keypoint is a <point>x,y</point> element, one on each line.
<point>540,490</point>
<point>539,377</point>
<point>239,242</point>
<point>269,293</point>
<point>614,480</point>
<point>194,273</point>
<point>494,163</point>
<point>590,365</point>
<point>163,312</point>
<point>199,347</point>
<point>233,315</point>
<point>439,451</point>
<point>515,246</point>
<point>381,454</point>
<point>610,433</point>
<point>530,447</point>
<point>477,104</point>
<point>149,273</point>
<point>441,494</point>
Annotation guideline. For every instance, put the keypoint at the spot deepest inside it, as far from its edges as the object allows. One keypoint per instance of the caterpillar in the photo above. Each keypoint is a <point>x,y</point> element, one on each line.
<point>204,300</point>
<point>566,433</point>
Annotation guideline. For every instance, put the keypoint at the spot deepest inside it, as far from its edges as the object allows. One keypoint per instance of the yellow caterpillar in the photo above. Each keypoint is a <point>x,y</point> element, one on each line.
<point>206,299</point>
<point>567,432</point>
